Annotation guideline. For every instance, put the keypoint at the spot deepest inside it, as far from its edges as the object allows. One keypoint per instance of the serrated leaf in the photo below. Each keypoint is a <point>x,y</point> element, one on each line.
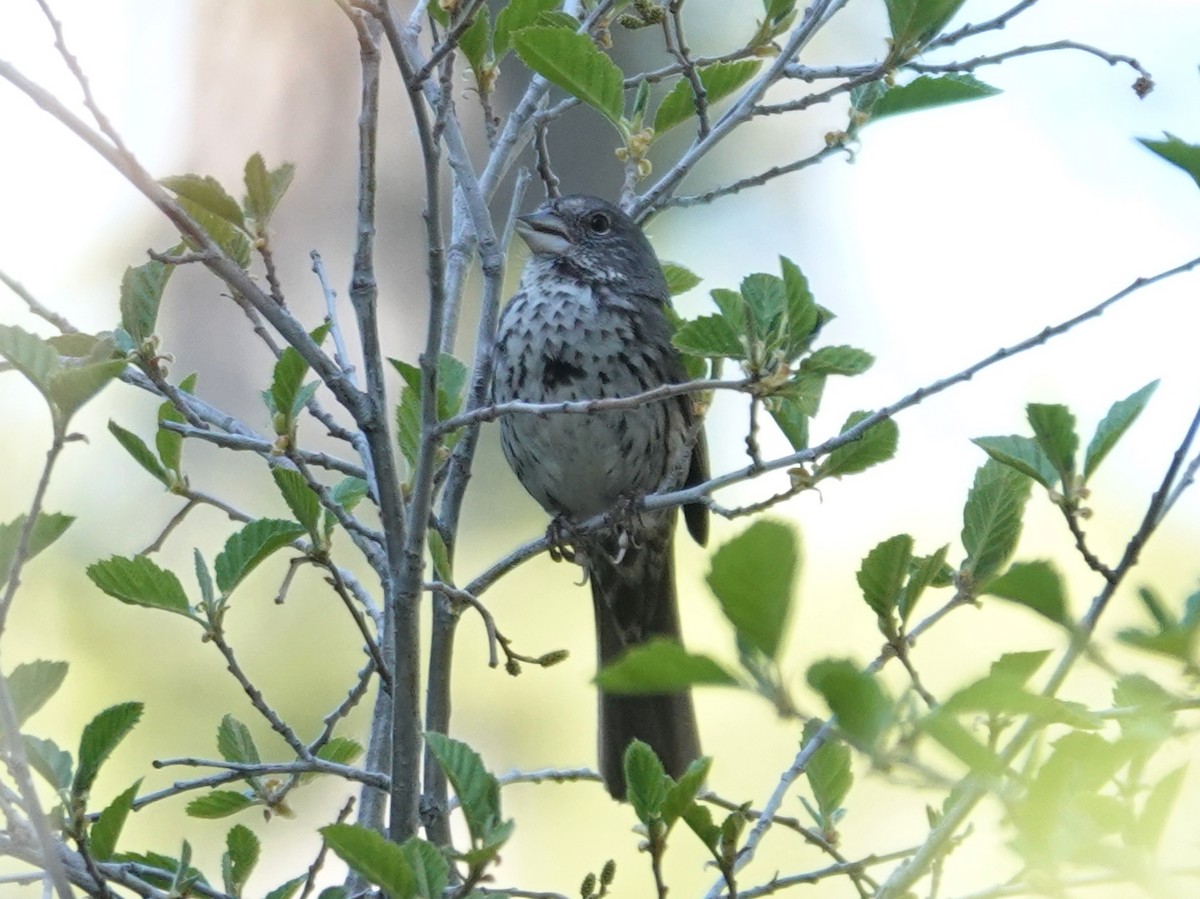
<point>765,301</point>
<point>375,858</point>
<point>683,792</point>
<point>431,871</point>
<point>230,238</point>
<point>574,63</point>
<point>141,453</point>
<point>661,665</point>
<point>71,388</point>
<point>876,444</point>
<point>264,189</point>
<point>340,751</point>
<point>48,528</point>
<point>205,192</point>
<point>1036,585</point>
<point>992,519</point>
<point>915,22</point>
<point>883,574</point>
<point>803,314</point>
<point>753,577</point>
<point>170,443</point>
<point>31,684</point>
<point>646,782</point>
<point>141,296</point>
<point>828,772</point>
<point>699,818</point>
<point>1054,429</point>
<point>732,308</point>
<point>140,582</point>
<point>928,91</point>
<point>236,743</point>
<point>218,804</point>
<point>719,80</point>
<point>959,742</point>
<point>248,547</point>
<point>709,336</point>
<point>837,360</point>
<point>29,354</point>
<point>48,760</point>
<point>516,15</point>
<point>1177,152</point>
<point>1113,426</point>
<point>475,43</point>
<point>1021,453</point>
<point>923,572</point>
<point>862,708</point>
<point>100,737</point>
<point>679,279</point>
<point>477,789</point>
<point>242,850</point>
<point>288,890</point>
<point>1002,694</point>
<point>300,498</point>
<point>792,420</point>
<point>104,833</point>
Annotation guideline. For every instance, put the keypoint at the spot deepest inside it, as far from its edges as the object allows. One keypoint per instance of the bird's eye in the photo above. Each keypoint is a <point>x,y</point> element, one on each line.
<point>599,224</point>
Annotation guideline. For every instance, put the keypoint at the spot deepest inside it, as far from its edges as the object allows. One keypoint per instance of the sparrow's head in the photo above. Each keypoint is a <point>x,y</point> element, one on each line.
<point>592,240</point>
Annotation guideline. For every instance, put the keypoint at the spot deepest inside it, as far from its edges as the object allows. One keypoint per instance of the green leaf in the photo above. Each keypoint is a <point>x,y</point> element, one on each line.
<point>1177,152</point>
<point>700,820</point>
<point>1023,454</point>
<point>170,443</point>
<point>574,63</point>
<point>242,850</point>
<point>804,316</point>
<point>916,22</point>
<point>928,91</point>
<point>992,519</point>
<point>719,80</point>
<point>516,15</point>
<point>264,189</point>
<point>732,307</point>
<point>340,751</point>
<point>1003,692</point>
<point>31,685</point>
<point>646,782</point>
<point>838,360</point>
<point>661,665</point>
<point>679,279</point>
<point>248,547</point>
<point>475,43</point>
<point>206,193</point>
<point>876,444</point>
<point>1035,585</point>
<point>477,789</point>
<point>753,576</point>
<point>29,354</point>
<point>924,571</point>
<point>218,804</point>
<point>375,858</point>
<point>48,528</point>
<point>136,447</point>
<point>103,836</point>
<point>288,890</point>
<point>287,394</point>
<point>140,582</point>
<point>431,871</point>
<point>959,742</point>
<point>863,710</point>
<point>141,296</point>
<point>1113,426</point>
<point>683,793</point>
<point>71,388</point>
<point>230,238</point>
<point>236,743</point>
<point>300,498</point>
<point>1157,808</point>
<point>829,774</point>
<point>883,573</point>
<point>709,336</point>
<point>100,737</point>
<point>792,419</point>
<point>48,760</point>
<point>1054,429</point>
<point>204,579</point>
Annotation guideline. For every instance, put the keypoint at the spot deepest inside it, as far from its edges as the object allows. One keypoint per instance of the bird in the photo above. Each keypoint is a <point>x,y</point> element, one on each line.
<point>588,321</point>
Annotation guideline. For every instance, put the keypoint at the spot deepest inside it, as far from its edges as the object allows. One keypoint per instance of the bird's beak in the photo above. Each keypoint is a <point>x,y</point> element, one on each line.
<point>544,231</point>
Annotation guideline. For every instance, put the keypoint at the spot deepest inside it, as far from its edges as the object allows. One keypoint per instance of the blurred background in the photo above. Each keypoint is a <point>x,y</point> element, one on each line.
<point>950,233</point>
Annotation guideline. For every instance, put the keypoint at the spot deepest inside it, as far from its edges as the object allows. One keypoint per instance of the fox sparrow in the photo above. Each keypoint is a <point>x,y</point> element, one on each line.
<point>589,322</point>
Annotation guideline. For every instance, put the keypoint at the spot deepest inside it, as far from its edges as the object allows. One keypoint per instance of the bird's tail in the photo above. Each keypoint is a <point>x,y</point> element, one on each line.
<point>634,601</point>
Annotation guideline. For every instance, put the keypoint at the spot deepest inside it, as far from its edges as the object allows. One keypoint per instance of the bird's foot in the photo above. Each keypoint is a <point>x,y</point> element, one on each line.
<point>561,535</point>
